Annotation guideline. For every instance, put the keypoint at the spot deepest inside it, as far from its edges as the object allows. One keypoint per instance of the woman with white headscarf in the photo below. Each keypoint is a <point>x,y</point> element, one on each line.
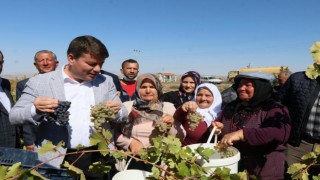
<point>207,102</point>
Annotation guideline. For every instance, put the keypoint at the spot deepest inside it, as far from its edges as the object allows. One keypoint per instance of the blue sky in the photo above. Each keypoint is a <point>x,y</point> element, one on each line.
<point>210,36</point>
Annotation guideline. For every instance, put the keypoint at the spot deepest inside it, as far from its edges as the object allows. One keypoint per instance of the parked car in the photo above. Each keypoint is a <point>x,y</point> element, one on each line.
<point>210,79</point>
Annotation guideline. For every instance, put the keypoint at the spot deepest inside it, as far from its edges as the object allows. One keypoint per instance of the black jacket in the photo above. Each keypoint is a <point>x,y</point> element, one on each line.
<point>299,94</point>
<point>174,98</point>
<point>8,133</point>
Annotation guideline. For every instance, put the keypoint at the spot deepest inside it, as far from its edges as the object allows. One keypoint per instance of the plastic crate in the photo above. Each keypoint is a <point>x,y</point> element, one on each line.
<point>28,159</point>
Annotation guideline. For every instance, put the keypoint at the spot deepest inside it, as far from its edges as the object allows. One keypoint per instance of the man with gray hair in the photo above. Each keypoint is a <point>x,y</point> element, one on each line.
<point>45,61</point>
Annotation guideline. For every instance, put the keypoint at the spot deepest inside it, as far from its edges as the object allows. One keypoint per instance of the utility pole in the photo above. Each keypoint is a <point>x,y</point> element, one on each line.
<point>136,52</point>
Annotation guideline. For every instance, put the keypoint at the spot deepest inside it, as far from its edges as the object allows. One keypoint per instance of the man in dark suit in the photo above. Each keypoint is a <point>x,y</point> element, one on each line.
<point>8,133</point>
<point>45,61</point>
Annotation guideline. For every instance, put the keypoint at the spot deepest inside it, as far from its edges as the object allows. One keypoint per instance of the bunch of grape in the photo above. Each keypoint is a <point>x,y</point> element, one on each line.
<point>162,127</point>
<point>194,119</point>
<point>60,116</point>
<point>224,150</point>
<point>100,114</point>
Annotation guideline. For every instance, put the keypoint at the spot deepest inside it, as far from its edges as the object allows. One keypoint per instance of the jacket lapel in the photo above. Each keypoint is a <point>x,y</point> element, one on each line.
<point>57,85</point>
<point>8,94</point>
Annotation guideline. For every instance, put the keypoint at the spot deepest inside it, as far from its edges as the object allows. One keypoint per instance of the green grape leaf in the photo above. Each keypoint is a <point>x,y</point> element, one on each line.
<point>97,167</point>
<point>295,170</point>
<point>172,140</point>
<point>315,52</point>
<point>47,147</point>
<point>316,177</point>
<point>107,135</point>
<point>156,172</point>
<point>119,154</point>
<point>239,176</point>
<point>205,153</point>
<point>183,169</point>
<point>35,175</point>
<point>305,176</point>
<point>310,156</point>
<point>317,150</point>
<point>79,147</point>
<point>13,170</point>
<point>97,139</point>
<point>195,170</point>
<point>313,71</point>
<point>60,144</point>
<point>3,171</point>
<point>185,153</point>
<point>74,171</point>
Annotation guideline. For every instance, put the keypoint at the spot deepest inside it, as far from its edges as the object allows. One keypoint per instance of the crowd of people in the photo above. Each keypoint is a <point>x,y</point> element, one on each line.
<point>271,126</point>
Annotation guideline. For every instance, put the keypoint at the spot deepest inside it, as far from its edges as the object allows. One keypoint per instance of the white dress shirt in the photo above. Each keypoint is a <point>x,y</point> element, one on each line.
<point>5,101</point>
<point>81,97</point>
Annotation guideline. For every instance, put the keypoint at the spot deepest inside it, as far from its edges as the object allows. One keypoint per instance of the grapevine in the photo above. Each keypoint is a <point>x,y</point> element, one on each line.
<point>100,114</point>
<point>194,119</point>
<point>60,116</point>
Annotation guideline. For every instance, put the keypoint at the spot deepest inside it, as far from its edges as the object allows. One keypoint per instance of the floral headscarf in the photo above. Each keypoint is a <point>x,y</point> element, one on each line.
<point>144,110</point>
<point>196,77</point>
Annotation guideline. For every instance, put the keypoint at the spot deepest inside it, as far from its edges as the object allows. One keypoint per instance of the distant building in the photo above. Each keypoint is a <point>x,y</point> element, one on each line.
<point>167,77</point>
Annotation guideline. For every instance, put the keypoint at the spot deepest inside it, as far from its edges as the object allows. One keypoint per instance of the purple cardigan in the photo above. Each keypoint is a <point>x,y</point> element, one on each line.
<point>266,133</point>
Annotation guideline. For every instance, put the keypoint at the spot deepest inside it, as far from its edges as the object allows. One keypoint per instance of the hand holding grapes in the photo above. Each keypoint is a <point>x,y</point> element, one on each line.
<point>189,106</point>
<point>114,105</point>
<point>233,137</point>
<point>45,105</point>
<point>167,118</point>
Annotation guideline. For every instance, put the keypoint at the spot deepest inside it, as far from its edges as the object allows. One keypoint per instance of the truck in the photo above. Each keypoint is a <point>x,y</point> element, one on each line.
<point>275,70</point>
<point>210,79</point>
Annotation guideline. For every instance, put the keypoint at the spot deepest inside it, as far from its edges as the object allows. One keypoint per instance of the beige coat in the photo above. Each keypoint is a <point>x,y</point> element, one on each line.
<point>142,131</point>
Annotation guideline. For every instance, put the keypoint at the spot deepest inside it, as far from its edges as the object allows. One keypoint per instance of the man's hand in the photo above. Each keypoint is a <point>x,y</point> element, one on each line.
<point>45,105</point>
<point>114,105</point>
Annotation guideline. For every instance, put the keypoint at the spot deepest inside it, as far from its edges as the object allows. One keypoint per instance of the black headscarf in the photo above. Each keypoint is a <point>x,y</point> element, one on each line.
<point>263,95</point>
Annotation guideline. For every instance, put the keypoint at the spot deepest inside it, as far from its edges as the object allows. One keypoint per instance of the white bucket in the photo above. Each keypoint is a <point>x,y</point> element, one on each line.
<point>215,160</point>
<point>132,174</point>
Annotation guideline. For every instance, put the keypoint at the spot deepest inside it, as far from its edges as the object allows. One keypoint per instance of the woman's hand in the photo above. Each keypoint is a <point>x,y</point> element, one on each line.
<point>135,146</point>
<point>189,106</point>
<point>233,137</point>
<point>167,118</point>
<point>219,126</point>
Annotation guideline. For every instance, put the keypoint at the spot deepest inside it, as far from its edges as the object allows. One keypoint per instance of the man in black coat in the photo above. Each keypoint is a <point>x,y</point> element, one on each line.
<point>8,133</point>
<point>301,94</point>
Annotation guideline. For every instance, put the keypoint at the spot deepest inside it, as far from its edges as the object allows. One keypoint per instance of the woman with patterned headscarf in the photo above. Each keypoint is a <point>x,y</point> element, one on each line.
<point>189,81</point>
<point>145,111</point>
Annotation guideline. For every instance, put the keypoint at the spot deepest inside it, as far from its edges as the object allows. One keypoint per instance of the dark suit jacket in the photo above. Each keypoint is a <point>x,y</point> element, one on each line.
<point>20,87</point>
<point>29,130</point>
<point>115,79</point>
<point>8,133</point>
